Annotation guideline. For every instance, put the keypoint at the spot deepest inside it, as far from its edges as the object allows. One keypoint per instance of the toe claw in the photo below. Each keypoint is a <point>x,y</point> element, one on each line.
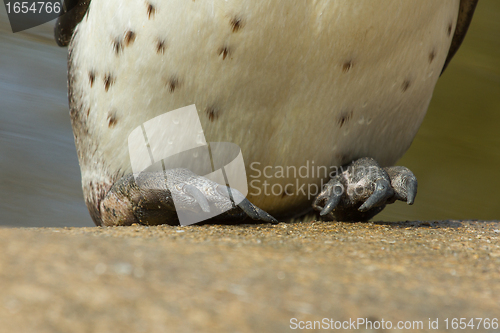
<point>255,212</point>
<point>266,217</point>
<point>411,189</point>
<point>404,183</point>
<point>332,202</point>
<point>383,190</point>
<point>198,197</point>
<point>250,209</point>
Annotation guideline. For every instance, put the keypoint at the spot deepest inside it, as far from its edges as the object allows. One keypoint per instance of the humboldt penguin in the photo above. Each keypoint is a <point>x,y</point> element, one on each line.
<point>321,96</point>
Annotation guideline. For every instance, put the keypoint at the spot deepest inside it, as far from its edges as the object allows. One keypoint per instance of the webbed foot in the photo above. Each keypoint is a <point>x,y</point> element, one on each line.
<point>364,189</point>
<point>172,196</point>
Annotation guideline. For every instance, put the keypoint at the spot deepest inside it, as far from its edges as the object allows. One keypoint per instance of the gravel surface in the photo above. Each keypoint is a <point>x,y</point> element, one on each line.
<point>247,278</point>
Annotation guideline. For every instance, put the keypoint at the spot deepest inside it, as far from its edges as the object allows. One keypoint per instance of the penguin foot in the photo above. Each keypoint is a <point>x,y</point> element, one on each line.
<point>175,197</point>
<point>363,189</point>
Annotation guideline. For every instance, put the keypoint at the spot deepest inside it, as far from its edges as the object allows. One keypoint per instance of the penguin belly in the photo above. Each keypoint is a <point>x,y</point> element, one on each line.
<point>302,87</point>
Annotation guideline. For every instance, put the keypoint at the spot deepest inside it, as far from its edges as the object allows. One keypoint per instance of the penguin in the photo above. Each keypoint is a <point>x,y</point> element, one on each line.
<point>322,96</point>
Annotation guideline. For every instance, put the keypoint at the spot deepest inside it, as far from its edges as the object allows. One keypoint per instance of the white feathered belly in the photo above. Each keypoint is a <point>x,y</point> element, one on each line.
<point>293,83</point>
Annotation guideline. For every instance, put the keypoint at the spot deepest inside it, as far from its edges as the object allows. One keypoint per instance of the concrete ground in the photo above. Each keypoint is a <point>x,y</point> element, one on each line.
<point>250,278</point>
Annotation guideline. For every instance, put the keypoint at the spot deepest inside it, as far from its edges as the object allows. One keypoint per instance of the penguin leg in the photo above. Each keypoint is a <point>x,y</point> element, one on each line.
<point>148,199</point>
<point>363,189</point>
